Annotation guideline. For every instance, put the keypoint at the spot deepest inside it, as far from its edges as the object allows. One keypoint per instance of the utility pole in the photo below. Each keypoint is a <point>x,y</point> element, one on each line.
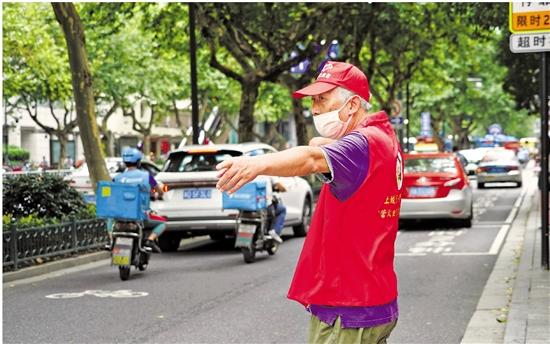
<point>194,96</point>
<point>544,158</point>
<point>408,128</point>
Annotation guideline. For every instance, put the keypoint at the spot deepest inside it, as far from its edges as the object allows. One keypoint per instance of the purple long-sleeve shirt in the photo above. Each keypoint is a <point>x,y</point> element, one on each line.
<point>348,160</point>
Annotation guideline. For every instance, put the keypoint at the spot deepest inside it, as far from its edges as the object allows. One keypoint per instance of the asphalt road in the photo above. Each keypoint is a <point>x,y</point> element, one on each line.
<point>205,293</point>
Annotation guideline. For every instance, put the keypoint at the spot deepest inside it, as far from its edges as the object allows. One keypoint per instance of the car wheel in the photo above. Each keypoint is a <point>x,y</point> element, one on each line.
<point>467,223</point>
<point>301,229</point>
<point>481,185</point>
<point>169,242</point>
<point>519,184</point>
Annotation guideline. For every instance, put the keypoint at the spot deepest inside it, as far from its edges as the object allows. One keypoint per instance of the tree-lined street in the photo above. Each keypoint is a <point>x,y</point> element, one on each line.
<point>195,100</point>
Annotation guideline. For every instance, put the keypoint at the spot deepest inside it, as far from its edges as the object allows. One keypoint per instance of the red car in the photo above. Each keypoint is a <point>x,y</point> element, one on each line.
<point>435,185</point>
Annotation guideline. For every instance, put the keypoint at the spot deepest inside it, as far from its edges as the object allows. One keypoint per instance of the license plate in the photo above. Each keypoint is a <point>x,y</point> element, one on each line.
<point>122,251</point>
<point>197,193</point>
<point>497,170</point>
<point>422,191</point>
<point>122,260</point>
<point>245,235</point>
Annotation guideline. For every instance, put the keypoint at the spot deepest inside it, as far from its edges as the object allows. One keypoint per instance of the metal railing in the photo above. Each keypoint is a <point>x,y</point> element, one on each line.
<point>61,173</point>
<point>25,245</point>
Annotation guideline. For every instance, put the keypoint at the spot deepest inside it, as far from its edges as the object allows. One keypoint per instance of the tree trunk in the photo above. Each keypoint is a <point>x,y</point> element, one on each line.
<point>73,30</point>
<point>109,143</point>
<point>436,128</point>
<point>246,113</point>
<point>146,144</point>
<point>299,119</point>
<point>62,151</point>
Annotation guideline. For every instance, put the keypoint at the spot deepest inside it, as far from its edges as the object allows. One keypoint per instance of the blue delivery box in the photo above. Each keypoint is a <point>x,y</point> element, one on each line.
<point>121,201</point>
<point>250,197</point>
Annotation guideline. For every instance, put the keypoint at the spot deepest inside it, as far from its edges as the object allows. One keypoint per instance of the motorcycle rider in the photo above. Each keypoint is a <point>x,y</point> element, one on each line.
<point>279,211</point>
<point>132,158</point>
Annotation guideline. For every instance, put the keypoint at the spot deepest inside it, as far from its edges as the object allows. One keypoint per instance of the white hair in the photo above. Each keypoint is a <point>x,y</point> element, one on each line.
<point>345,94</point>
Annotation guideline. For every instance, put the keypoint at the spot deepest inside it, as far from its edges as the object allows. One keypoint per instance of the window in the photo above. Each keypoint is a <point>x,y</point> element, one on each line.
<point>434,165</point>
<point>196,162</point>
<point>500,154</point>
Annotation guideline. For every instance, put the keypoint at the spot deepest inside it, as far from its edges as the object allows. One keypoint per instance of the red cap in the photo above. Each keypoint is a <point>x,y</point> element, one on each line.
<point>337,74</point>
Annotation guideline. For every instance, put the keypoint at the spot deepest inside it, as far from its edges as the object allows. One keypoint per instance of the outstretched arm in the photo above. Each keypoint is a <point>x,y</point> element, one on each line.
<point>297,161</point>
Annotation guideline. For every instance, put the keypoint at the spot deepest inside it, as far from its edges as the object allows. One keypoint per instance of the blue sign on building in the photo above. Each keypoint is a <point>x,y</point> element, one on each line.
<point>495,129</point>
<point>425,124</point>
<point>332,53</point>
<point>396,120</point>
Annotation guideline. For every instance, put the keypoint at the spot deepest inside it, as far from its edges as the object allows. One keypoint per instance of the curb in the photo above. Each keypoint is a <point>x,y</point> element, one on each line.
<point>34,271</point>
<point>516,328</point>
<point>489,320</point>
<point>68,263</point>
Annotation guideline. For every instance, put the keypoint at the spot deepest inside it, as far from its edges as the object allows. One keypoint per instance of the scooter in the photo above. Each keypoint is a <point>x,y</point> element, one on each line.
<point>127,249</point>
<point>252,233</point>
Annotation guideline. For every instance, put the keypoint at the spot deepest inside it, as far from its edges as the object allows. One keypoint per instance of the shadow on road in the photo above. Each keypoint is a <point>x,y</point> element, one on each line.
<point>429,225</point>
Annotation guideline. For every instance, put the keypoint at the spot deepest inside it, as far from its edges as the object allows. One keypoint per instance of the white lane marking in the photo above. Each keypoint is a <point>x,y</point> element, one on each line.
<point>468,254</point>
<point>512,215</point>
<point>499,239</point>
<point>490,224</point>
<point>439,242</point>
<point>410,254</point>
<point>125,293</point>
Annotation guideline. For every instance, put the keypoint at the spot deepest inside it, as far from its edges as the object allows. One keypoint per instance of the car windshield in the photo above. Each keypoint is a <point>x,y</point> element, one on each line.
<point>416,165</point>
<point>495,155</point>
<point>196,162</point>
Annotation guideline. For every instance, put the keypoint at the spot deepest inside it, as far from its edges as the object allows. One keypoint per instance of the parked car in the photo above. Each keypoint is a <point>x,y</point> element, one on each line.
<point>80,178</point>
<point>193,205</point>
<point>497,166</point>
<point>473,156</point>
<point>436,186</point>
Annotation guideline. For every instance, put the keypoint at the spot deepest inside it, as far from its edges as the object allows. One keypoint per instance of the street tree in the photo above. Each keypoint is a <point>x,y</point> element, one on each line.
<point>36,70</point>
<point>464,91</point>
<point>73,30</point>
<point>255,40</point>
<point>523,70</point>
<point>393,40</point>
<point>133,74</point>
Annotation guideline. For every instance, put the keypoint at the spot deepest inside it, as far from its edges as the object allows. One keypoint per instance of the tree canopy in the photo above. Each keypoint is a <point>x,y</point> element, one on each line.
<point>453,56</point>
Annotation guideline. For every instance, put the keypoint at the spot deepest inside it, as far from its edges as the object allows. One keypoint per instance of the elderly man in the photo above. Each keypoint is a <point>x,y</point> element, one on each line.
<point>345,275</point>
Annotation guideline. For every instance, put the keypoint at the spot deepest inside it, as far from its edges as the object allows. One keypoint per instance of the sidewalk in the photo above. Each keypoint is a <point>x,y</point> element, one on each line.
<point>515,304</point>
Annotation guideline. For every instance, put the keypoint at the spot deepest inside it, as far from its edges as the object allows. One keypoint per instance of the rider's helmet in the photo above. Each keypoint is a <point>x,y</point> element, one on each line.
<point>131,155</point>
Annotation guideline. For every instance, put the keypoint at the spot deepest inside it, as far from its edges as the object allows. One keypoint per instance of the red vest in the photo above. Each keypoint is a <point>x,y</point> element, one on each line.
<point>347,258</point>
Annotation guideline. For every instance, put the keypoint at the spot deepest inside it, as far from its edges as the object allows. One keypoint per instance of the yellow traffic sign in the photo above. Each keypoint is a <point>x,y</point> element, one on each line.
<point>529,17</point>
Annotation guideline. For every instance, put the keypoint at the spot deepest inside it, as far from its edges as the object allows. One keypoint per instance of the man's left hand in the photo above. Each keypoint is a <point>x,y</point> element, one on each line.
<point>235,172</point>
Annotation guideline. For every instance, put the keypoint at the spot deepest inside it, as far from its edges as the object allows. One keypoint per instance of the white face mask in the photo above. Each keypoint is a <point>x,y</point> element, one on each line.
<point>329,125</point>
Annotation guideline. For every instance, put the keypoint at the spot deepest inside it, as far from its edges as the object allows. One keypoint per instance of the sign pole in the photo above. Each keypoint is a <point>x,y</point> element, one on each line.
<point>544,159</point>
<point>194,90</point>
<point>408,132</point>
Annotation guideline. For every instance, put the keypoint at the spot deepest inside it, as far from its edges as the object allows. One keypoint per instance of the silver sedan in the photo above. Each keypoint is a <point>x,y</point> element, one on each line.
<point>499,166</point>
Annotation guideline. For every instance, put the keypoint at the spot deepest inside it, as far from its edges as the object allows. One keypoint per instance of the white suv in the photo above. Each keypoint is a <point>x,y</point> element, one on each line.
<point>193,205</point>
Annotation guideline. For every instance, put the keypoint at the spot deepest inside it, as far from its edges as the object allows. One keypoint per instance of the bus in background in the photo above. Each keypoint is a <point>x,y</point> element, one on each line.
<point>530,143</point>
